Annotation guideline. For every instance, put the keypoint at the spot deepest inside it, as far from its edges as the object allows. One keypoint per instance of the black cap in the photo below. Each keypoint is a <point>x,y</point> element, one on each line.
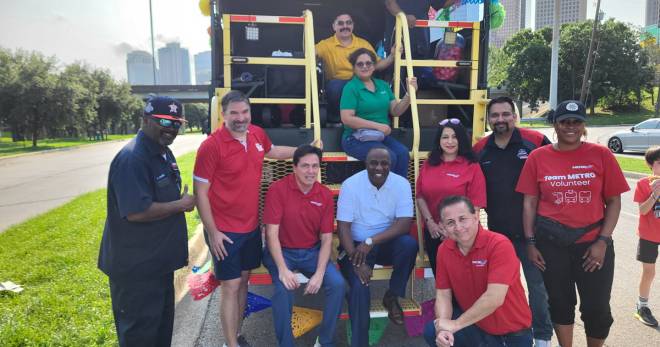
<point>570,109</point>
<point>164,107</point>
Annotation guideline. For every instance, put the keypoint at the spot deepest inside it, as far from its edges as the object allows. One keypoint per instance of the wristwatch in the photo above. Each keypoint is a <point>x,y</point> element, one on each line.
<point>606,239</point>
<point>368,241</point>
<point>530,240</point>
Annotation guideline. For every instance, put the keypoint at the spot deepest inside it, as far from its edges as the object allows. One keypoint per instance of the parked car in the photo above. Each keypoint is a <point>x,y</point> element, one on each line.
<point>638,139</point>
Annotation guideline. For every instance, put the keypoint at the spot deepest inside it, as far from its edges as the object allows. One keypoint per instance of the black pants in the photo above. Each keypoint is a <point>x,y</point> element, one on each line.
<point>143,310</point>
<point>431,246</point>
<point>564,273</point>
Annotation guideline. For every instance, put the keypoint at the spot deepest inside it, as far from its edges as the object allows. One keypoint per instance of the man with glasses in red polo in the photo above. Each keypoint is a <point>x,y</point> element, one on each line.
<point>145,236</point>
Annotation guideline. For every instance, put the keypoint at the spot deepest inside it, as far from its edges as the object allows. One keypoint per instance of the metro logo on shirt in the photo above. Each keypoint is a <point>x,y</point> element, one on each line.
<point>572,186</point>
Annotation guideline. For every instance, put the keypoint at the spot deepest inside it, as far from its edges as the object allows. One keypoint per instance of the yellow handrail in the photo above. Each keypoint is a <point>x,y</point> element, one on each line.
<point>310,100</point>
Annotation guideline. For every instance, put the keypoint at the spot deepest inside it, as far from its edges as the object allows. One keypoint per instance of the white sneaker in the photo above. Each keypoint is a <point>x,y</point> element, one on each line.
<point>542,343</point>
<point>317,344</point>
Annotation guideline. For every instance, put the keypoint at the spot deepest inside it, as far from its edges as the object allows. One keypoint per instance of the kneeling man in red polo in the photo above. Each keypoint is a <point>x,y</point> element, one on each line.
<point>480,269</point>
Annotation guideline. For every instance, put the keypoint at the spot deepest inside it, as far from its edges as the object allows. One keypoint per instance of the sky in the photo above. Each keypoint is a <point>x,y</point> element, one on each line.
<point>101,32</point>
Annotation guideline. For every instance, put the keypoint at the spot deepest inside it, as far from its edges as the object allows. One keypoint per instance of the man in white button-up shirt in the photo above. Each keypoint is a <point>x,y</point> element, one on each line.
<point>374,213</point>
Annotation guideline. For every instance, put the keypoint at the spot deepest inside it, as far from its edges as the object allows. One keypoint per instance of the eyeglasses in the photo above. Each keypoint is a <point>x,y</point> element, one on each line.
<point>503,114</point>
<point>167,123</point>
<point>454,121</point>
<point>347,22</point>
<point>363,64</point>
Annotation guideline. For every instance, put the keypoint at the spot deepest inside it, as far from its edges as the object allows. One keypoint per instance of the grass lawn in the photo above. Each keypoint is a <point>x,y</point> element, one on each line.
<point>633,165</point>
<point>7,147</point>
<point>66,301</point>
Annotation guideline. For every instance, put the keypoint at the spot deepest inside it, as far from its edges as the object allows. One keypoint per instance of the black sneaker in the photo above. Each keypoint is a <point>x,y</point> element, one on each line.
<point>645,316</point>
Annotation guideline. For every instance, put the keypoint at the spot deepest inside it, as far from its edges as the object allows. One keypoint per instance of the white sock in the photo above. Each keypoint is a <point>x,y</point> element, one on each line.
<point>642,302</point>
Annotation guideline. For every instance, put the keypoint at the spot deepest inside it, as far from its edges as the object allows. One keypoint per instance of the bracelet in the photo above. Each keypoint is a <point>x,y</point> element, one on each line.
<point>530,240</point>
<point>606,239</point>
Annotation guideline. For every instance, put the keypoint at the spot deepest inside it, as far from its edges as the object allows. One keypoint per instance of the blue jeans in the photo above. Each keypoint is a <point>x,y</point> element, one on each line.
<point>333,90</point>
<point>400,253</point>
<point>538,296</point>
<point>473,336</point>
<point>305,261</point>
<point>399,155</point>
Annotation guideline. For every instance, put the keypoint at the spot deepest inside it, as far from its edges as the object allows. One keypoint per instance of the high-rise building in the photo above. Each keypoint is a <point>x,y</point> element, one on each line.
<point>652,12</point>
<point>569,11</point>
<point>514,21</point>
<point>203,68</point>
<point>173,64</point>
<point>139,68</point>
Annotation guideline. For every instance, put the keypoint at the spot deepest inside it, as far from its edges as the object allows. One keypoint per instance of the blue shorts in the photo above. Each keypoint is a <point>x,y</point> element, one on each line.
<point>242,255</point>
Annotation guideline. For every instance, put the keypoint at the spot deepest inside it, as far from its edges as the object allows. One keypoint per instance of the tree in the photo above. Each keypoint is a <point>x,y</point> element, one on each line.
<point>497,67</point>
<point>196,114</point>
<point>35,98</point>
<point>528,69</point>
<point>621,69</point>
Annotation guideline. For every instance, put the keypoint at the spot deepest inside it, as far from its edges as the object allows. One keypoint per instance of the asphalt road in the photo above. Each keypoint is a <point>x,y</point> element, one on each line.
<point>33,184</point>
<point>258,329</point>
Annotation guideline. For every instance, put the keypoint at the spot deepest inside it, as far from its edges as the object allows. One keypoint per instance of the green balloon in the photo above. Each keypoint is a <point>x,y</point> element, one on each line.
<point>497,14</point>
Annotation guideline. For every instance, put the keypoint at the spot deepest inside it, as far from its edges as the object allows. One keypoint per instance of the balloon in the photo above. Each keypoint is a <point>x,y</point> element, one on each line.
<point>205,7</point>
<point>497,14</point>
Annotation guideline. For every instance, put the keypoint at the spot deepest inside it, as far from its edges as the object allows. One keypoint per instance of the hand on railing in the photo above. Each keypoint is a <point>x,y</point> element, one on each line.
<point>412,83</point>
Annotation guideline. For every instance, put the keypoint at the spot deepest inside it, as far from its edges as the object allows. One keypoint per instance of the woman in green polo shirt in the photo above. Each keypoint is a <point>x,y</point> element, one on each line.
<point>366,104</point>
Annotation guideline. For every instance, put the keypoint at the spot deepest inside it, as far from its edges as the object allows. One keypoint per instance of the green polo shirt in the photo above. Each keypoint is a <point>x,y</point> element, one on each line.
<point>373,106</point>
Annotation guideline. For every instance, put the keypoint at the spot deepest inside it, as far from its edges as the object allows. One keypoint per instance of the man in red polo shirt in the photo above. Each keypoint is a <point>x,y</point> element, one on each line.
<point>299,217</point>
<point>227,178</point>
<point>481,270</point>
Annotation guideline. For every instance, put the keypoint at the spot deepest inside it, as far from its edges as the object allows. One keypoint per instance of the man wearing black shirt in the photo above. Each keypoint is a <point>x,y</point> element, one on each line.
<point>502,156</point>
<point>145,235</point>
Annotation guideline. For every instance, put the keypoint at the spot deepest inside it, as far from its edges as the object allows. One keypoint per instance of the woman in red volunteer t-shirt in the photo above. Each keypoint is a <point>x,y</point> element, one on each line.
<point>451,169</point>
<point>578,184</point>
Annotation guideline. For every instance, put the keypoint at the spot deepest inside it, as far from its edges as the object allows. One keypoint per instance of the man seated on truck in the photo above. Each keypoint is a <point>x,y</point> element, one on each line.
<point>299,216</point>
<point>374,212</point>
<point>334,52</point>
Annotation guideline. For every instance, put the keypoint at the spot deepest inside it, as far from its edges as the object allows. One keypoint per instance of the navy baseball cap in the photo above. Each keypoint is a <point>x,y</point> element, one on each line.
<point>570,109</point>
<point>164,107</point>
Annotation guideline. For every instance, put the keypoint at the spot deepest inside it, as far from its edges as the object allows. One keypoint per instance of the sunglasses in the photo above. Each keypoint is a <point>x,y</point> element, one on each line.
<point>454,121</point>
<point>341,22</point>
<point>168,123</point>
<point>366,64</point>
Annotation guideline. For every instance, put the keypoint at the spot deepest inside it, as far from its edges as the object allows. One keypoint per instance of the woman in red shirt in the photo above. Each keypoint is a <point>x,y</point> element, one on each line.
<point>451,169</point>
<point>572,202</point>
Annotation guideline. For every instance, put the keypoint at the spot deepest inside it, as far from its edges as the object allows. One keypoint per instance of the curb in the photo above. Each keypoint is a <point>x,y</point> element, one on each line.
<point>190,315</point>
<point>58,149</point>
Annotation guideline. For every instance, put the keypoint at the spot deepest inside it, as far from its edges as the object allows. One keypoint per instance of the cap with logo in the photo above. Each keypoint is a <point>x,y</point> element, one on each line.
<point>164,107</point>
<point>570,109</point>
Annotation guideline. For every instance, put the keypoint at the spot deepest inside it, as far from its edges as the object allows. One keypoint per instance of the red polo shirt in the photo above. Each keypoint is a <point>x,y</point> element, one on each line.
<point>492,259</point>
<point>300,216</point>
<point>456,177</point>
<point>234,171</point>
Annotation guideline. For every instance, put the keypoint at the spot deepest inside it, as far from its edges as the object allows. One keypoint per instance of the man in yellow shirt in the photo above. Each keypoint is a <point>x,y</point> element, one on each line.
<point>334,52</point>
